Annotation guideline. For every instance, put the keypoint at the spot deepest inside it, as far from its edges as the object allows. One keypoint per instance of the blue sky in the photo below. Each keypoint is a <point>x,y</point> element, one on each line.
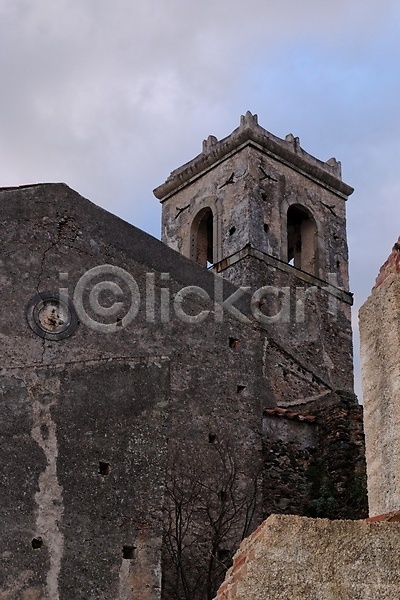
<point>110,97</point>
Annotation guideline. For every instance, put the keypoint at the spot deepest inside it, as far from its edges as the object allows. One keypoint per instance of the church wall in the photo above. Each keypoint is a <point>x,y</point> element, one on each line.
<point>194,380</point>
<point>84,457</point>
<point>305,318</point>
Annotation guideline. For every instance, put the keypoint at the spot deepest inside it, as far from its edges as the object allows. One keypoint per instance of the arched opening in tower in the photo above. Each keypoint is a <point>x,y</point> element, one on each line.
<point>302,239</point>
<point>202,238</point>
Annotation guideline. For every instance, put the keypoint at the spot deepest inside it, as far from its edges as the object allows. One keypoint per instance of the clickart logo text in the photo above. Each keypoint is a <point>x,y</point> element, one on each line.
<point>108,299</point>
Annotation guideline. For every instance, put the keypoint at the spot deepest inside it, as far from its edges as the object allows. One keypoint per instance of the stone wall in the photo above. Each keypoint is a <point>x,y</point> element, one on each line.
<point>380,340</point>
<point>87,418</point>
<point>314,463</point>
<point>310,559</point>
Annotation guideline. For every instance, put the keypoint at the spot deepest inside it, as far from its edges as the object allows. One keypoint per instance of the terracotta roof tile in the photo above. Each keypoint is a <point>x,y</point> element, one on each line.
<point>392,517</point>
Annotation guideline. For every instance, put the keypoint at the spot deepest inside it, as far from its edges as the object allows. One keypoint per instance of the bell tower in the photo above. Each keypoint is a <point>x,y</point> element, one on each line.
<point>266,215</point>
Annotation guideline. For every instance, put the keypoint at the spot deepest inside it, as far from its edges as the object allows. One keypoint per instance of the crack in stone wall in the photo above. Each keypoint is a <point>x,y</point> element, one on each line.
<point>44,394</point>
<point>125,587</point>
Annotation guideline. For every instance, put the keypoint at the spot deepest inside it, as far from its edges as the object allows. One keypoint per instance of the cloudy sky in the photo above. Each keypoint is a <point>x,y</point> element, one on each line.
<point>109,97</point>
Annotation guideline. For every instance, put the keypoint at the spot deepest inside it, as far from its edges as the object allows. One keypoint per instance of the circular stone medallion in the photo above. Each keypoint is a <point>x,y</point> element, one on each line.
<point>52,316</point>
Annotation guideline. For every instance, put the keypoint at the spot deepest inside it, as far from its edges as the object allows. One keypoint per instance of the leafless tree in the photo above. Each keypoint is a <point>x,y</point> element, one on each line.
<point>210,506</point>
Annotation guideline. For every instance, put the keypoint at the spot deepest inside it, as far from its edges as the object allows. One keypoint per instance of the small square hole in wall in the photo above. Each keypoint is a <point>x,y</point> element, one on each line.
<point>128,552</point>
<point>212,438</point>
<point>104,468</point>
<point>37,543</point>
<point>240,388</point>
<point>266,227</point>
<point>232,230</point>
<point>233,343</point>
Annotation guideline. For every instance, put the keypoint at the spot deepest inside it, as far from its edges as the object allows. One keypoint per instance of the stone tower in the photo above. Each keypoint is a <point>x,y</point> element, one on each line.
<point>266,215</point>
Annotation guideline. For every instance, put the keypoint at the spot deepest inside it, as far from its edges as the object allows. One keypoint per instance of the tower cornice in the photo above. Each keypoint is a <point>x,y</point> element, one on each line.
<point>250,133</point>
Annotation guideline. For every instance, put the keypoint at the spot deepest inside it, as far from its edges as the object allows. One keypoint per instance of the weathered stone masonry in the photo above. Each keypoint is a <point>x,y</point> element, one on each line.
<point>292,557</point>
<point>94,411</point>
<point>269,214</point>
<point>301,558</point>
<point>379,333</point>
